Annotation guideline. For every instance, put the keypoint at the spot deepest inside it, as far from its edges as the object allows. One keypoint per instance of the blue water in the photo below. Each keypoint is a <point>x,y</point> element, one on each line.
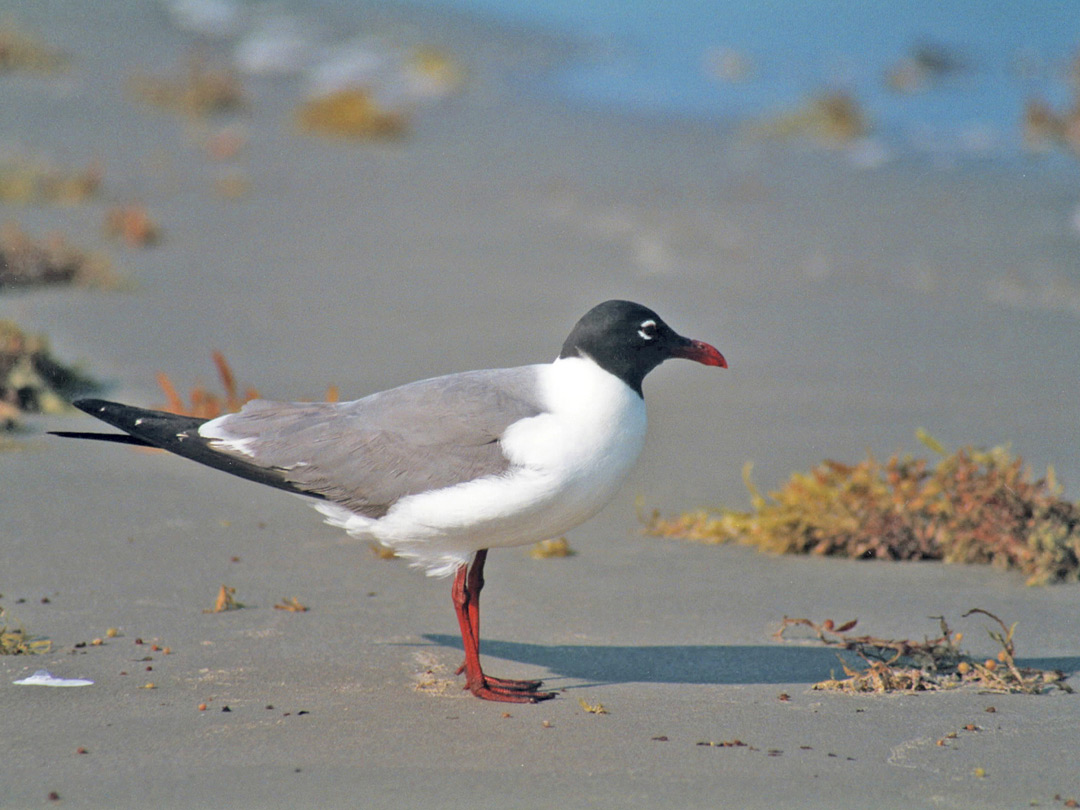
<point>648,57</point>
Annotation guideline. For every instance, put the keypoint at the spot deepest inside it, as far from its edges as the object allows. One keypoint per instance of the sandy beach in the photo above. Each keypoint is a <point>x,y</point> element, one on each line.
<point>854,306</point>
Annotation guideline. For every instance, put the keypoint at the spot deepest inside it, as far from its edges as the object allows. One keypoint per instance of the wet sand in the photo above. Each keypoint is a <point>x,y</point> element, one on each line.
<point>854,307</point>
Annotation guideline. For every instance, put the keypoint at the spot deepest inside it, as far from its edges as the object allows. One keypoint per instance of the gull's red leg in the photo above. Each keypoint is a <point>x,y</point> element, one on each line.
<point>460,595</point>
<point>474,583</point>
<point>468,582</point>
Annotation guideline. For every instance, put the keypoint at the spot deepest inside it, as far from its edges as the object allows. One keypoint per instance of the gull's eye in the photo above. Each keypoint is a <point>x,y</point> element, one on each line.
<point>647,330</point>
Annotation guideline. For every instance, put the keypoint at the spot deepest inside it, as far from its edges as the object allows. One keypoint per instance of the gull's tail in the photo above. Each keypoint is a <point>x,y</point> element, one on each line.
<point>177,434</point>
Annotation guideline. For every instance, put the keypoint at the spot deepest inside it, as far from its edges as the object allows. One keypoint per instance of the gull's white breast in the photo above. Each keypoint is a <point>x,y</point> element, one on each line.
<point>566,464</point>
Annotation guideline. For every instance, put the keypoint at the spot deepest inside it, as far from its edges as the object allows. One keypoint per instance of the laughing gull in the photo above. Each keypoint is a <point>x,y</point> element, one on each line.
<point>443,469</point>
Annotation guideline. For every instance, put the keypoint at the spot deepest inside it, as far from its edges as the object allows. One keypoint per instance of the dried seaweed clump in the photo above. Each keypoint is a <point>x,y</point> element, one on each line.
<point>833,118</point>
<point>26,181</point>
<point>932,664</point>
<point>975,506</point>
<point>1045,128</point>
<point>208,405</point>
<point>351,112</point>
<point>25,262</point>
<point>225,601</point>
<point>20,50</point>
<point>132,225</point>
<point>291,604</point>
<point>201,91</point>
<point>549,549</point>
<point>925,66</point>
<point>204,404</point>
<point>434,73</point>
<point>31,381</point>
<point>16,641</point>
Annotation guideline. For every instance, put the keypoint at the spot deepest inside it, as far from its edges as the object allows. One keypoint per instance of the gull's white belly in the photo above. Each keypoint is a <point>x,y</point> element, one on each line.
<point>565,465</point>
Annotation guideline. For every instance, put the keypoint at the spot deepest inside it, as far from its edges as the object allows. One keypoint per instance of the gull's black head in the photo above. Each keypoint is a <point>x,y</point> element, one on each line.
<point>630,340</point>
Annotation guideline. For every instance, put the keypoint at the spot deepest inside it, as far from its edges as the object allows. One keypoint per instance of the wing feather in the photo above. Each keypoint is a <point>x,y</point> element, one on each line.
<point>368,454</point>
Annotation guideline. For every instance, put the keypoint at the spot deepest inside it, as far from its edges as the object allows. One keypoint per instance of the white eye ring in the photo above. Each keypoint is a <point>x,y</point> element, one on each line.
<point>647,330</point>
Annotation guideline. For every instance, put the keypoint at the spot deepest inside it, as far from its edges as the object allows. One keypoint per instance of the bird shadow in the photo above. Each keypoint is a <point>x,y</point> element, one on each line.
<point>690,663</point>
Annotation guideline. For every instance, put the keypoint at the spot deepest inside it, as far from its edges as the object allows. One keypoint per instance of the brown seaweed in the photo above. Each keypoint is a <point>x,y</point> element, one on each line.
<point>27,262</point>
<point>831,118</point>
<point>350,113</point>
<point>933,664</point>
<point>206,404</point>
<point>974,506</point>
<point>200,91</point>
<point>203,403</point>
<point>31,379</point>
<point>14,640</point>
<point>26,180</point>
<point>20,50</point>
<point>132,225</point>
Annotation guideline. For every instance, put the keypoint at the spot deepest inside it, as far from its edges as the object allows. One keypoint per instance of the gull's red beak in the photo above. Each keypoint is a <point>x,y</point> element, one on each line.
<point>700,352</point>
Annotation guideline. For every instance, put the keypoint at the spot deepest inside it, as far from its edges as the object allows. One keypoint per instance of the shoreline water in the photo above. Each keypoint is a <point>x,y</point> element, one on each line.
<point>933,77</point>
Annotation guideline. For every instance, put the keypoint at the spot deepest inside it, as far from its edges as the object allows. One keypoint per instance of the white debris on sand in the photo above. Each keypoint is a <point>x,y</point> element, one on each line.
<point>45,678</point>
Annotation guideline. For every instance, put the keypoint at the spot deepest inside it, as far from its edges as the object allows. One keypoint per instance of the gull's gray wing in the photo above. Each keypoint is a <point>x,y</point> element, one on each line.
<point>369,453</point>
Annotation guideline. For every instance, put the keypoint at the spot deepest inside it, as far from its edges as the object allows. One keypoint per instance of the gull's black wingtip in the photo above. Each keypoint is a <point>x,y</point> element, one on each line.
<point>103,409</point>
<point>118,438</point>
<point>159,428</point>
<point>91,406</point>
<point>178,434</point>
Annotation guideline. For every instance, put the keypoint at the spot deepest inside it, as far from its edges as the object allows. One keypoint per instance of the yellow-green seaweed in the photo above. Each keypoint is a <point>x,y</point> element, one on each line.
<point>973,506</point>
